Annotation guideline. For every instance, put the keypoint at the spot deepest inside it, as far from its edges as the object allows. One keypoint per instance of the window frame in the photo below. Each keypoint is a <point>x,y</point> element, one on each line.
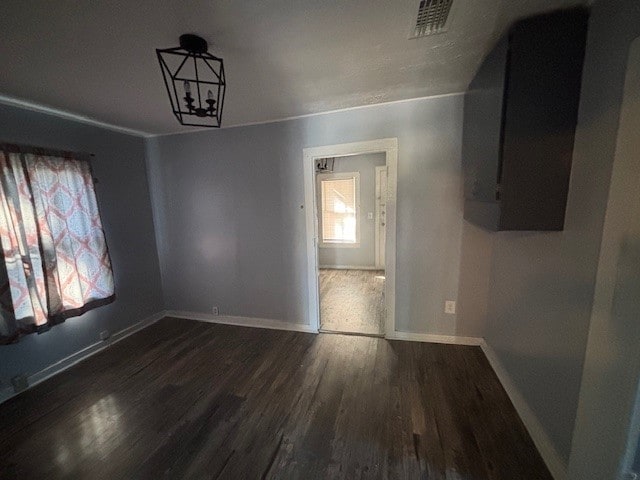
<point>320,177</point>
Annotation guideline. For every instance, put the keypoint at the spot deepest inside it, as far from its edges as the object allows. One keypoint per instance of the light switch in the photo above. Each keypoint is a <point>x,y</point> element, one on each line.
<point>450,307</point>
<point>370,215</point>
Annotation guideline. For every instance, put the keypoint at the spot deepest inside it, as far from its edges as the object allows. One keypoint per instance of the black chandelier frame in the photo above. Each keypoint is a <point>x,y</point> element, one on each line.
<point>195,48</point>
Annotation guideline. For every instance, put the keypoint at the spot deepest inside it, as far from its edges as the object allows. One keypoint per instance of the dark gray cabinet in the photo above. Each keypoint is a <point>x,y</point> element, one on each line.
<point>520,115</point>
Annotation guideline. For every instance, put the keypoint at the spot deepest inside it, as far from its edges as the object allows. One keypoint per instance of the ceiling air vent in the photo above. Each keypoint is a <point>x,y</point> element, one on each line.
<point>432,17</point>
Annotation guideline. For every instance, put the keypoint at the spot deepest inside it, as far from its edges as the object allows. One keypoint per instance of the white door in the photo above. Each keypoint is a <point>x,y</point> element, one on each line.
<point>381,216</point>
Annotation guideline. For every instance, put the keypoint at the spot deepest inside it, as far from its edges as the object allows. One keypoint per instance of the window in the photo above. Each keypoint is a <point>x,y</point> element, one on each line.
<point>53,246</point>
<point>340,205</point>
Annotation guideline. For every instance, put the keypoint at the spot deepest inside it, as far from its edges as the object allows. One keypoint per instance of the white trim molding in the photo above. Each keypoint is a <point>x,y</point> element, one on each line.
<point>556,465</point>
<point>315,114</point>
<point>255,322</point>
<point>350,267</point>
<point>77,357</point>
<point>388,146</point>
<point>36,107</point>
<point>432,338</point>
<point>252,322</point>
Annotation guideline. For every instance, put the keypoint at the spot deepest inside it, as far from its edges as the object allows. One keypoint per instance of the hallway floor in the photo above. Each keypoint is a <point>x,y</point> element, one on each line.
<point>352,301</point>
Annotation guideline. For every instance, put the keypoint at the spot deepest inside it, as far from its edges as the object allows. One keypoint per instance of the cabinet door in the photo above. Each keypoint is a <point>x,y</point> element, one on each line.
<point>483,105</point>
<point>482,126</point>
<point>544,70</point>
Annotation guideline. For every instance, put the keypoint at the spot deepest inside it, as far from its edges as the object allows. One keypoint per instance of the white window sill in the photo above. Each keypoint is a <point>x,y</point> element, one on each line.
<point>339,245</point>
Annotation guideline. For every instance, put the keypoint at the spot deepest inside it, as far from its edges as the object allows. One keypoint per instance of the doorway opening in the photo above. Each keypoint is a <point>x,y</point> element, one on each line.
<point>350,197</point>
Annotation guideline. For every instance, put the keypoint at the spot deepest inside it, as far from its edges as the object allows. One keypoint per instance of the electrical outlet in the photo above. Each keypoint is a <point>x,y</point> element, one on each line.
<point>104,335</point>
<point>215,311</point>
<point>450,306</point>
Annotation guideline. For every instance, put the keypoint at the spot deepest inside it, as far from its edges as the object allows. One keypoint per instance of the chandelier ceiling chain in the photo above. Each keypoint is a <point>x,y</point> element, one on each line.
<point>195,82</point>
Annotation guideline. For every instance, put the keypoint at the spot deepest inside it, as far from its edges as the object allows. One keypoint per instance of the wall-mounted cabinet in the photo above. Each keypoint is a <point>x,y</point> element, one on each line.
<point>520,115</point>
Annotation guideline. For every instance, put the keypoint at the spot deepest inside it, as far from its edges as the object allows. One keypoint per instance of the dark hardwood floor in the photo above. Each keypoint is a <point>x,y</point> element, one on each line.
<point>185,399</point>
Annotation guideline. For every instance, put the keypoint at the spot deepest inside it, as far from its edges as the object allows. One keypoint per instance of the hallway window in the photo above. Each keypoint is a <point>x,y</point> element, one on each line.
<point>340,208</point>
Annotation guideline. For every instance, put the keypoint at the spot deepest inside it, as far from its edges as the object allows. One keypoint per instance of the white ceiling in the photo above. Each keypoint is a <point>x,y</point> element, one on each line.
<point>282,58</point>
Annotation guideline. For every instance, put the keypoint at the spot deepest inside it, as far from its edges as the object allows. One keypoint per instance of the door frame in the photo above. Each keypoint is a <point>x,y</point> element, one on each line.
<point>388,146</point>
<point>379,264</point>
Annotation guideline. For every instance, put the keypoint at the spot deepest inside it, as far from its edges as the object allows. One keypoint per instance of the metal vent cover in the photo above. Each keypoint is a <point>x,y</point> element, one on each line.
<point>432,17</point>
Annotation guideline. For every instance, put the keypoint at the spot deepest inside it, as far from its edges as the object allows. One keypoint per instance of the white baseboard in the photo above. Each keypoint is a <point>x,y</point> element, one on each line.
<point>299,327</point>
<point>431,338</point>
<point>81,355</point>
<point>242,321</point>
<point>5,394</point>
<point>349,267</point>
<point>556,465</point>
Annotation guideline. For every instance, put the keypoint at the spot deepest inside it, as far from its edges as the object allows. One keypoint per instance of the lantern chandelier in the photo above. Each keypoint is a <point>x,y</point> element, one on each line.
<point>195,82</point>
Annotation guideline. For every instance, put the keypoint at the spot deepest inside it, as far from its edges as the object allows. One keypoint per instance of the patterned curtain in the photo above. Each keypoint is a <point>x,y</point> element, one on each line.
<point>56,264</point>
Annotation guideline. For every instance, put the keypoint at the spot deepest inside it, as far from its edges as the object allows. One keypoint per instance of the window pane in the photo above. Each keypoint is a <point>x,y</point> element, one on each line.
<point>339,221</point>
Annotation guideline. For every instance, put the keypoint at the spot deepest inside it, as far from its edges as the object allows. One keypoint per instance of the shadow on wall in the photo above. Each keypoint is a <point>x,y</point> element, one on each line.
<point>429,222</point>
<point>539,304</point>
<point>475,272</point>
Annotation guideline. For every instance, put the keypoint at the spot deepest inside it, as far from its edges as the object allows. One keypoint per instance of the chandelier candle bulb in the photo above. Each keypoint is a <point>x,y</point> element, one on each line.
<point>211,102</point>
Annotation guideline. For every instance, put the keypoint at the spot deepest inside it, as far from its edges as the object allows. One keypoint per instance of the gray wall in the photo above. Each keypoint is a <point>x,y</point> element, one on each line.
<point>611,375</point>
<point>231,231</point>
<point>123,199</point>
<point>364,255</point>
<point>540,285</point>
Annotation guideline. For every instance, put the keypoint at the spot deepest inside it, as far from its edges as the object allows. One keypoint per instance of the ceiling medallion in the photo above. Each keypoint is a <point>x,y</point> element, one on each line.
<point>195,82</point>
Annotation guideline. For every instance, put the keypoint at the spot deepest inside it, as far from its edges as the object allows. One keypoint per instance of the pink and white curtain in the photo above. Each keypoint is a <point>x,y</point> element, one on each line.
<point>56,263</point>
